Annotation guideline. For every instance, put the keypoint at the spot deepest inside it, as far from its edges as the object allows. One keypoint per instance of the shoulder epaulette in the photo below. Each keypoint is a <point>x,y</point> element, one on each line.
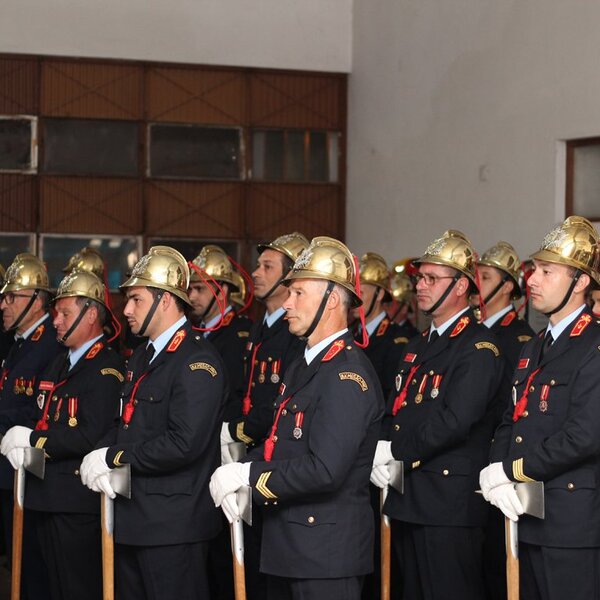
<point>583,321</point>
<point>383,327</point>
<point>228,318</point>
<point>176,341</point>
<point>460,326</point>
<point>334,350</point>
<point>37,334</point>
<point>94,350</point>
<point>508,318</point>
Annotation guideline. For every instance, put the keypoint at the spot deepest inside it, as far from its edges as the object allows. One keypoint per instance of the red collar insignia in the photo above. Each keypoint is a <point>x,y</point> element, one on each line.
<point>462,323</point>
<point>523,363</point>
<point>383,327</point>
<point>94,350</point>
<point>228,318</point>
<point>426,332</point>
<point>334,349</point>
<point>410,357</point>
<point>508,319</point>
<point>37,334</point>
<point>176,341</point>
<point>583,321</point>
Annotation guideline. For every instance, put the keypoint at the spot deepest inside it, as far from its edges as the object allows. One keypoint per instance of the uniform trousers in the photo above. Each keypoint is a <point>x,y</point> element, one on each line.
<point>72,550</point>
<point>559,573</point>
<point>439,563</point>
<point>176,572</point>
<point>284,588</point>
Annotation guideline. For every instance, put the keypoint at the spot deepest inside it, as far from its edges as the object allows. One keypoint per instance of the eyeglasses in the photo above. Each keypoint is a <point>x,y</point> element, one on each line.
<point>431,280</point>
<point>10,297</point>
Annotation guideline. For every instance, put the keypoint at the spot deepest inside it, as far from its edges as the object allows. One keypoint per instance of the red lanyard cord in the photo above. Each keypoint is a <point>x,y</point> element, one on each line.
<point>401,397</point>
<point>272,439</point>
<point>42,424</point>
<point>247,402</point>
<point>521,405</point>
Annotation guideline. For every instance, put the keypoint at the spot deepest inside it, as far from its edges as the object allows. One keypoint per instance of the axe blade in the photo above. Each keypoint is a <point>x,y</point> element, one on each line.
<point>237,451</point>
<point>120,481</point>
<point>35,461</point>
<point>396,468</point>
<point>531,495</point>
<point>244,500</point>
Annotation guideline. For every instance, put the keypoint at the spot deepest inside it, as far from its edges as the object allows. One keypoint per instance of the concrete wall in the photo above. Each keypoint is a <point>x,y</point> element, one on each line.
<point>284,34</point>
<point>457,110</point>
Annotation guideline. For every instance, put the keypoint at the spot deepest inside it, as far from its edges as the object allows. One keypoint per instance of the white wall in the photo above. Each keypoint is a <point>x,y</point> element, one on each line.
<point>284,34</point>
<point>456,109</point>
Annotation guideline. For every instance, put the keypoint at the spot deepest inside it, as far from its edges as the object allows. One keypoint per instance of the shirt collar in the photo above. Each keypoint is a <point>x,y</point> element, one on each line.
<point>271,319</point>
<point>161,341</point>
<point>75,355</point>
<point>442,328</point>
<point>27,333</point>
<point>310,353</point>
<point>374,323</point>
<point>210,324</point>
<point>490,321</point>
<point>557,329</point>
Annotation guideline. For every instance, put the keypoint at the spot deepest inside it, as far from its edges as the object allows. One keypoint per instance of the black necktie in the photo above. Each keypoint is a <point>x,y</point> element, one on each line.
<point>548,341</point>
<point>434,335</point>
<point>64,370</point>
<point>148,354</point>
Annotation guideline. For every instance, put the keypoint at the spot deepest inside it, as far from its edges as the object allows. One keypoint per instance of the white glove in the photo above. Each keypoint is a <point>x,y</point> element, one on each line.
<point>226,439</point>
<point>490,477</point>
<point>380,476</point>
<point>383,453</point>
<point>15,437</point>
<point>93,465</point>
<point>230,507</point>
<point>16,457</point>
<point>102,484</point>
<point>505,498</point>
<point>228,479</point>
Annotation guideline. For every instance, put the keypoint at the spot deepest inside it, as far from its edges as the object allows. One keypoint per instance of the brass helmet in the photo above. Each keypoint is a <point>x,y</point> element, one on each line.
<point>239,295</point>
<point>290,245</point>
<point>402,287</point>
<point>26,272</point>
<point>504,257</point>
<point>374,270</point>
<point>453,250</point>
<point>81,284</point>
<point>328,259</point>
<point>573,243</point>
<point>87,259</point>
<point>163,267</point>
<point>213,261</point>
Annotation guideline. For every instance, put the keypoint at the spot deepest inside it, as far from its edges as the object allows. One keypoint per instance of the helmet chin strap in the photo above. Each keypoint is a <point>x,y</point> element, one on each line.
<point>275,286</point>
<point>319,312</point>
<point>496,289</point>
<point>76,322</point>
<point>445,294</point>
<point>24,312</point>
<point>576,277</point>
<point>372,304</point>
<point>150,314</point>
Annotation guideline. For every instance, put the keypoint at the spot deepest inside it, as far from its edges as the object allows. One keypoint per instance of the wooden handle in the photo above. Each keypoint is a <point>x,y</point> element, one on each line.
<point>512,564</point>
<point>239,579</point>
<point>386,544</point>
<point>17,535</point>
<point>108,556</point>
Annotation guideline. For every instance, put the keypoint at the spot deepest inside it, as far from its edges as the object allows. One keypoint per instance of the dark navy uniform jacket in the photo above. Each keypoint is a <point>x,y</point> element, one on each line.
<point>171,442</point>
<point>511,333</point>
<point>556,438</point>
<point>443,425</point>
<point>230,340</point>
<point>317,519</point>
<point>386,346</point>
<point>79,412</point>
<point>22,367</point>
<point>265,369</point>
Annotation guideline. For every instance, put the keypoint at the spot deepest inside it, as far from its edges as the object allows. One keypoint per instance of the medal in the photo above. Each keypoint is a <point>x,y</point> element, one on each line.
<point>72,412</point>
<point>40,400</point>
<point>72,421</point>
<point>419,396</point>
<point>275,371</point>
<point>29,389</point>
<point>57,411</point>
<point>297,432</point>
<point>437,379</point>
<point>434,393</point>
<point>398,382</point>
<point>263,369</point>
<point>544,398</point>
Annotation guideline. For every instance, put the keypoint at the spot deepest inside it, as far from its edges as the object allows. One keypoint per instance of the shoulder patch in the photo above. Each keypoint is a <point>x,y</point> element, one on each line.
<point>583,321</point>
<point>344,375</point>
<point>228,318</point>
<point>410,357</point>
<point>243,334</point>
<point>383,327</point>
<point>524,338</point>
<point>94,350</point>
<point>37,334</point>
<point>203,367</point>
<point>176,341</point>
<point>401,340</point>
<point>113,372</point>
<point>462,323</point>
<point>508,318</point>
<point>334,349</point>
<point>487,346</point>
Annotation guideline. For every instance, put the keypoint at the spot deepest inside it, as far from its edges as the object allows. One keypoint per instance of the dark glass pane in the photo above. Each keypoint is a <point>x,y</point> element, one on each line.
<point>15,144</point>
<point>317,165</point>
<point>273,155</point>
<point>90,147</point>
<point>294,157</point>
<point>11,245</point>
<point>192,152</point>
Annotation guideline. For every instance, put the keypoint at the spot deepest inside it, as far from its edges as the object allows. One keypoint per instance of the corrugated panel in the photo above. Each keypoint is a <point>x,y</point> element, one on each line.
<point>195,209</point>
<point>18,86</point>
<point>195,95</point>
<point>91,90</point>
<point>290,100</point>
<point>17,203</point>
<point>273,210</point>
<point>90,205</point>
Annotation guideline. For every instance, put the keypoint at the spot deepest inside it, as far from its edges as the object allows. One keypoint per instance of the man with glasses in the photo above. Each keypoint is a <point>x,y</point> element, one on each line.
<point>441,427</point>
<point>25,296</point>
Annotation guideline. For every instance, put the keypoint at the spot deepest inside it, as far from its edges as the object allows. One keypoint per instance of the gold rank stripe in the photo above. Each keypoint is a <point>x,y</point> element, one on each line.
<point>261,486</point>
<point>239,433</point>
<point>117,459</point>
<point>416,464</point>
<point>41,441</point>
<point>518,473</point>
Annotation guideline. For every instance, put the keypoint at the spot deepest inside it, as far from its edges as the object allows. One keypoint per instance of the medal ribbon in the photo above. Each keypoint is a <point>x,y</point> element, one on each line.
<point>437,380</point>
<point>57,411</point>
<point>423,383</point>
<point>272,439</point>
<point>402,395</point>
<point>72,409</point>
<point>521,404</point>
<point>247,402</point>
<point>42,424</point>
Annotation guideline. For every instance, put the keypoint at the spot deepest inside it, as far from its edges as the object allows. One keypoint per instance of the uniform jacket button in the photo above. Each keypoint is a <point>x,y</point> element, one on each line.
<point>525,413</point>
<point>284,412</point>
<point>570,486</point>
<point>311,519</point>
<point>518,439</point>
<point>396,427</point>
<point>76,472</point>
<point>446,472</point>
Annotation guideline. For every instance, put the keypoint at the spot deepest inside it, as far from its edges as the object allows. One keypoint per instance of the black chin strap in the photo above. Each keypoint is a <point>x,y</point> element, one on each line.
<point>76,322</point>
<point>24,312</point>
<point>319,312</point>
<point>208,308</point>
<point>496,289</point>
<point>576,277</point>
<point>372,305</point>
<point>277,284</point>
<point>445,294</point>
<point>150,314</point>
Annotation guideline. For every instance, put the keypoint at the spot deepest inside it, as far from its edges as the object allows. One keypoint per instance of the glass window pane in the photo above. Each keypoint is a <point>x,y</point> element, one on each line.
<point>90,147</point>
<point>586,180</point>
<point>268,155</point>
<point>12,244</point>
<point>333,155</point>
<point>192,152</point>
<point>16,145</point>
<point>317,167</point>
<point>294,166</point>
